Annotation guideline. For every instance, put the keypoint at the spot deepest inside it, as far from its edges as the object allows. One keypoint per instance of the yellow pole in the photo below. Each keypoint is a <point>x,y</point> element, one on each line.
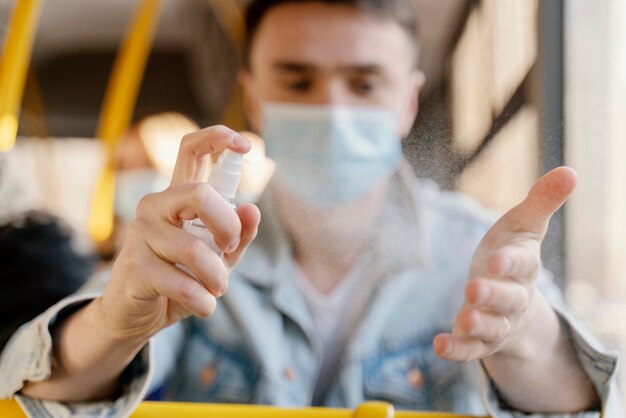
<point>14,67</point>
<point>117,109</point>
<point>229,15</point>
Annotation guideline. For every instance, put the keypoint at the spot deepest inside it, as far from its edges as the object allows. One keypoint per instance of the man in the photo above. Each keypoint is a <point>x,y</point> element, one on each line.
<point>358,269</point>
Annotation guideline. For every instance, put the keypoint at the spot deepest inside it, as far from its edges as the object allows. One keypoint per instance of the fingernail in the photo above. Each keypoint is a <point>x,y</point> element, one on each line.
<point>240,141</point>
<point>222,292</point>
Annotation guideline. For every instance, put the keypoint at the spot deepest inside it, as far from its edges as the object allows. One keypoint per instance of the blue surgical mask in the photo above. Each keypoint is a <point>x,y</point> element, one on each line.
<point>331,155</point>
<point>131,186</point>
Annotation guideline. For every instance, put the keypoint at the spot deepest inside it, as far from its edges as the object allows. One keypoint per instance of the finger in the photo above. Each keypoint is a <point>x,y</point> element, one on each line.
<point>195,200</point>
<point>483,325</point>
<point>459,348</point>
<point>250,217</point>
<point>520,261</point>
<point>196,146</point>
<point>173,283</point>
<point>151,277</point>
<point>177,246</point>
<point>545,197</point>
<point>506,297</point>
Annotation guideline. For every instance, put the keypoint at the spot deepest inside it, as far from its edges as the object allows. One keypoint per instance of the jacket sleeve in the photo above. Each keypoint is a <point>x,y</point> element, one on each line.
<point>27,357</point>
<point>599,364</point>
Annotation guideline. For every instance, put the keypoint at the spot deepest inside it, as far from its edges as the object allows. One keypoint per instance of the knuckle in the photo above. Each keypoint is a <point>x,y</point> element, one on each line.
<point>188,290</point>
<point>145,205</point>
<point>521,302</point>
<point>503,330</point>
<point>221,130</point>
<point>467,356</point>
<point>201,194</point>
<point>193,249</point>
<point>136,229</point>
<point>187,141</point>
<point>130,263</point>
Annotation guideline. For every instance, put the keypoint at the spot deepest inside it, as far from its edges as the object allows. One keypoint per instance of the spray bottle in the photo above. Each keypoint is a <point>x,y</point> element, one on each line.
<point>224,178</point>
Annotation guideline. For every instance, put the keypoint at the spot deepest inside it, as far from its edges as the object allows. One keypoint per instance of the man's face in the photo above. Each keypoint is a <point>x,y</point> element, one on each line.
<point>315,53</point>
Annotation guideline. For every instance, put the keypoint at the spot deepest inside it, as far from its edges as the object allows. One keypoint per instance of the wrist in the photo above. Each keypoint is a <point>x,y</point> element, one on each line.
<point>102,319</point>
<point>90,327</point>
<point>87,359</point>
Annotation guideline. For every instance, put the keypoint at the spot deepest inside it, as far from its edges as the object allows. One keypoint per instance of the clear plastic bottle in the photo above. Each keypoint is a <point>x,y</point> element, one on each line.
<point>224,178</point>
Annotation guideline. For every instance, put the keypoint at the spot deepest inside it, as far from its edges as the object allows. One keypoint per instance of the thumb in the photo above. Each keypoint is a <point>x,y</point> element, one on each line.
<point>545,197</point>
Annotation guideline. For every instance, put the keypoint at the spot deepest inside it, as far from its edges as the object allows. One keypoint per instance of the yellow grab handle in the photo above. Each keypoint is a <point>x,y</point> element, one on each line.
<point>374,410</point>
<point>18,47</point>
<point>198,410</point>
<point>10,409</point>
<point>202,410</point>
<point>117,109</point>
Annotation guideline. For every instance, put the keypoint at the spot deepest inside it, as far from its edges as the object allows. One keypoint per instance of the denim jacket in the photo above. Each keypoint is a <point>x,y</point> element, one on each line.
<point>260,344</point>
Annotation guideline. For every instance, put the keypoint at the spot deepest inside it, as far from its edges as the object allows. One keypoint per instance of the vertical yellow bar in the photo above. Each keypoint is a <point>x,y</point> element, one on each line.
<point>117,109</point>
<point>14,67</point>
<point>230,17</point>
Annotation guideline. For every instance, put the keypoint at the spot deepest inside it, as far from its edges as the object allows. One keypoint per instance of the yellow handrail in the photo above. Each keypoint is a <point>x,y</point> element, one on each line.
<point>230,17</point>
<point>14,67</point>
<point>117,109</point>
<point>10,409</point>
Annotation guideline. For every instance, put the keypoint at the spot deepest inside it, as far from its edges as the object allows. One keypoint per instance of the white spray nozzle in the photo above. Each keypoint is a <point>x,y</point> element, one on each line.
<point>225,175</point>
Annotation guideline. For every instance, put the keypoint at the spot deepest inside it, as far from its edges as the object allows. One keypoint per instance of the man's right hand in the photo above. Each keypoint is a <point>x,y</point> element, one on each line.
<point>146,291</point>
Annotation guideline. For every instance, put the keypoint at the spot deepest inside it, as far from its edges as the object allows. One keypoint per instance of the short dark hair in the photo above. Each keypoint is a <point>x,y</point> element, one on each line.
<point>399,11</point>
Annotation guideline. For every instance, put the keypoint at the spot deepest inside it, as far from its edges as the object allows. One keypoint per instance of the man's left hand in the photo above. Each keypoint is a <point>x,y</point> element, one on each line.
<point>501,305</point>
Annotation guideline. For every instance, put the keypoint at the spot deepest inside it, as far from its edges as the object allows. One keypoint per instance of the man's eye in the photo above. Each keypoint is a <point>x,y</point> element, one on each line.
<point>300,85</point>
<point>363,86</point>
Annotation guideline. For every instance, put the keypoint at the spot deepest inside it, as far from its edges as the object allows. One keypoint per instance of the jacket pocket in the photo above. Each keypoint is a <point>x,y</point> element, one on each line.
<point>214,372</point>
<point>411,376</point>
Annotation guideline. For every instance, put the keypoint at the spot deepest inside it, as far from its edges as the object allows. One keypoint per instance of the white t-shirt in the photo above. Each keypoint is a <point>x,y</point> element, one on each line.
<point>327,311</point>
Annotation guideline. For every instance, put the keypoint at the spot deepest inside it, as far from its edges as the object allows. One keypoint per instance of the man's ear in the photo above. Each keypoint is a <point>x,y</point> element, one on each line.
<point>408,118</point>
<point>251,99</point>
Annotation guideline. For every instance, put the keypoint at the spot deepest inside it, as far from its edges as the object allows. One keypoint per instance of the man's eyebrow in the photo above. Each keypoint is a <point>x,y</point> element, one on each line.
<point>294,67</point>
<point>299,67</point>
<point>364,69</point>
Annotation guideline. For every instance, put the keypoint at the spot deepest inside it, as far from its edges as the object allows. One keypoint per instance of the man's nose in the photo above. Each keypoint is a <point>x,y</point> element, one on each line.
<point>334,92</point>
